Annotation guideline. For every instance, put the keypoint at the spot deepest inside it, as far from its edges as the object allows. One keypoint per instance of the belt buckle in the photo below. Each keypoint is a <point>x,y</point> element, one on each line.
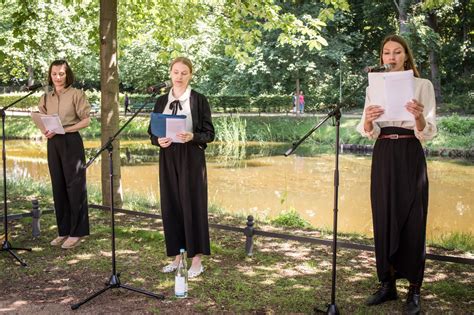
<point>393,137</point>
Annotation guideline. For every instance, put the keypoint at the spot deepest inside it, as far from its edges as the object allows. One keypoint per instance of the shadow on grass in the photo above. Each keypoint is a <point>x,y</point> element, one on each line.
<point>281,277</point>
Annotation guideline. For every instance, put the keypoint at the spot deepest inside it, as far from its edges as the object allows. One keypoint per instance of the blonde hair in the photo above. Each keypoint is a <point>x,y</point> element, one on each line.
<point>184,61</point>
<point>409,63</point>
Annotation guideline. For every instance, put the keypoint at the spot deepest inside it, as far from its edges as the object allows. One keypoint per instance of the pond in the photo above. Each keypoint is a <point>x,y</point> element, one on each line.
<point>260,181</point>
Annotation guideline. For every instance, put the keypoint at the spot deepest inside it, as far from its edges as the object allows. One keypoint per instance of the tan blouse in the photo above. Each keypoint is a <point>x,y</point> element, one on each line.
<point>424,93</point>
<point>70,104</point>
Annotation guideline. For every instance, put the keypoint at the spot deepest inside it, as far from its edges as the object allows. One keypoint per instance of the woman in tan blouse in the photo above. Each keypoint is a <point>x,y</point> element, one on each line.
<point>66,158</point>
<point>399,181</point>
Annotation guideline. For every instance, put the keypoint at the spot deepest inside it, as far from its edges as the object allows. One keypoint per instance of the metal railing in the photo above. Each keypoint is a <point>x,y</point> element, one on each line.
<point>249,231</point>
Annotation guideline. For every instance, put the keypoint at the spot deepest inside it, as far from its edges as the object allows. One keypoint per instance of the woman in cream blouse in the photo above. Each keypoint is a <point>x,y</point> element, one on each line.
<point>399,182</point>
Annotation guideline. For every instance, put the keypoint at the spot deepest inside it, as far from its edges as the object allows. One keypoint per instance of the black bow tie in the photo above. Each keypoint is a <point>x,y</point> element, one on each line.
<point>174,107</point>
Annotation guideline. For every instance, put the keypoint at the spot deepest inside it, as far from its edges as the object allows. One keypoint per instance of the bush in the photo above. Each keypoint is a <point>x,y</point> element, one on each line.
<point>229,103</point>
<point>290,218</point>
<point>456,125</point>
<point>29,103</point>
<point>263,103</point>
<point>273,103</point>
<point>463,104</point>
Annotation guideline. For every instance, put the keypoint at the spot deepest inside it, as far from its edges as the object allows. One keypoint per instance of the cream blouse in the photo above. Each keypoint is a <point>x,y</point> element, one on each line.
<point>424,94</point>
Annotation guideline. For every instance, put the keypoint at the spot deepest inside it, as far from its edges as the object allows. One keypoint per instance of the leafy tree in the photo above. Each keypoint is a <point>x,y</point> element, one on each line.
<point>176,26</point>
<point>34,33</point>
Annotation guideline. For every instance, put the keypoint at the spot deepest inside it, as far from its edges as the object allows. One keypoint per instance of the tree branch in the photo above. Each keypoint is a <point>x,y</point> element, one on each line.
<point>396,4</point>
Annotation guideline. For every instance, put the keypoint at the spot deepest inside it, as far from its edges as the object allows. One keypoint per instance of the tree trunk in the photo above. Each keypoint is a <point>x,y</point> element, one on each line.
<point>465,32</point>
<point>402,6</point>
<point>109,85</point>
<point>433,23</point>
<point>31,75</point>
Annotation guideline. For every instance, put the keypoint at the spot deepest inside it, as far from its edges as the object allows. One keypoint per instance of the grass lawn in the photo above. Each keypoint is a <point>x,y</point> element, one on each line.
<point>281,277</point>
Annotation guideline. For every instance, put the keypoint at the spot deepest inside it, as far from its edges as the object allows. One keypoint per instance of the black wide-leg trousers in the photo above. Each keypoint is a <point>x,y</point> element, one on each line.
<point>66,160</point>
<point>183,195</point>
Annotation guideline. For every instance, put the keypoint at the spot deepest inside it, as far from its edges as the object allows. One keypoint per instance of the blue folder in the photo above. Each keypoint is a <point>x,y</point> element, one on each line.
<point>158,123</point>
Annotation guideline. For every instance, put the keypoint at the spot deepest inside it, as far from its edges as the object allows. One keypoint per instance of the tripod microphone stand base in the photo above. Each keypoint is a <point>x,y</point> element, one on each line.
<point>114,282</point>
<point>332,309</point>
<point>6,246</point>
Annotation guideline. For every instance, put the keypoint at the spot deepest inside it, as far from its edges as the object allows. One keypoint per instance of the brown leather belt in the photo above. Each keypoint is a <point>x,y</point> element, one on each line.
<point>396,136</point>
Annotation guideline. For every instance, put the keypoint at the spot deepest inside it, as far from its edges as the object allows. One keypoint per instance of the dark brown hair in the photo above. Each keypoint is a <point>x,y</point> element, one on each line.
<point>69,74</point>
<point>183,60</point>
<point>409,63</point>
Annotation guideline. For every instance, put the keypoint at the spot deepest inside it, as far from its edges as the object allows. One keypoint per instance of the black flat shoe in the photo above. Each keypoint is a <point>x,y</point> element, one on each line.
<point>413,303</point>
<point>386,292</point>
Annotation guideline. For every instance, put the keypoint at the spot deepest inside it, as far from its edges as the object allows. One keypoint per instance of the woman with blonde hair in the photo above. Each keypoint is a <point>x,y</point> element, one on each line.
<point>183,175</point>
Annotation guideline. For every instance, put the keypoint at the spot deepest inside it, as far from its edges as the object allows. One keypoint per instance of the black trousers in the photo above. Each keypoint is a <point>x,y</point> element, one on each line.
<point>66,160</point>
<point>399,195</point>
<point>183,194</point>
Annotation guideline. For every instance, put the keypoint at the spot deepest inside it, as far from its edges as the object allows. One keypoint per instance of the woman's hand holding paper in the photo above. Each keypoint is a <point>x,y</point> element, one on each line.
<point>185,136</point>
<point>164,142</point>
<point>49,134</point>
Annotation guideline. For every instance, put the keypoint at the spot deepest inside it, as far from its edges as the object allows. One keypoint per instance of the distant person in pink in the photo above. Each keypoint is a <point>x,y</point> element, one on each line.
<point>301,102</point>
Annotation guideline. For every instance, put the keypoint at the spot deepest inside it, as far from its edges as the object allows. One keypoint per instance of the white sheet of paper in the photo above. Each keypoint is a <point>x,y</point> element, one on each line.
<point>53,123</point>
<point>48,122</point>
<point>392,90</point>
<point>174,126</point>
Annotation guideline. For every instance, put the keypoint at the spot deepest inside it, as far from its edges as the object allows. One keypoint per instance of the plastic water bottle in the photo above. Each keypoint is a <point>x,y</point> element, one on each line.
<point>181,277</point>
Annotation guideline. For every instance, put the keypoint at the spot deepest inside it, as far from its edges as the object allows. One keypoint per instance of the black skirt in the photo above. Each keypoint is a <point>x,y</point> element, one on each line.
<point>399,196</point>
<point>183,195</point>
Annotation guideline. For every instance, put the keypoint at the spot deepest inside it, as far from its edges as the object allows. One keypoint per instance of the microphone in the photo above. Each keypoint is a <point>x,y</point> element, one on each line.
<point>383,68</point>
<point>158,87</point>
<point>32,87</point>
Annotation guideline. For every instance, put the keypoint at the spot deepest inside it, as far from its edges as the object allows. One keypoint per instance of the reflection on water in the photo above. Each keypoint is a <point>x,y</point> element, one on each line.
<point>265,183</point>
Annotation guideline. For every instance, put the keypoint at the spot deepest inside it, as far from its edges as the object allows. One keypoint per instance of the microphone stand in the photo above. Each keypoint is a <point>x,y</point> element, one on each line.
<point>336,113</point>
<point>114,280</point>
<point>6,246</point>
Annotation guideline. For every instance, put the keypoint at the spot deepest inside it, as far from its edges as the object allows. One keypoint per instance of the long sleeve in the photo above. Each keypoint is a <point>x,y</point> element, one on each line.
<point>204,131</point>
<point>426,96</point>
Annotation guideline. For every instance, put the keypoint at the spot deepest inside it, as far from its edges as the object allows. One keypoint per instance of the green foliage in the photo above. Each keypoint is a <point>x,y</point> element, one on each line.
<point>458,96</point>
<point>454,132</point>
<point>266,104</point>
<point>231,129</point>
<point>461,241</point>
<point>290,219</point>
<point>456,125</point>
<point>21,190</point>
<point>37,32</point>
<point>252,48</point>
<point>273,103</point>
<point>29,103</point>
<point>231,134</point>
<point>230,103</point>
<point>150,34</point>
<point>21,127</point>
